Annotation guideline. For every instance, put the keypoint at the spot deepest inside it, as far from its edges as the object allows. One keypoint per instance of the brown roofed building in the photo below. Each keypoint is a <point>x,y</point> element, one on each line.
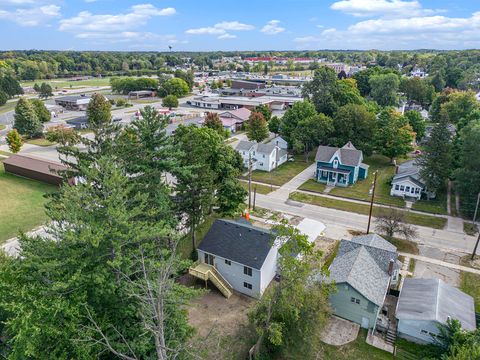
<point>34,168</point>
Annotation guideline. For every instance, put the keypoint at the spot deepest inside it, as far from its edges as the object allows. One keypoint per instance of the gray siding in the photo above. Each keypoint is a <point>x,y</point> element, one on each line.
<point>344,308</point>
<point>412,330</point>
<point>234,275</point>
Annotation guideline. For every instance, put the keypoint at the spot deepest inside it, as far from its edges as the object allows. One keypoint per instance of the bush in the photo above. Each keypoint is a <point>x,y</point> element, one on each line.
<point>170,101</point>
<point>121,102</point>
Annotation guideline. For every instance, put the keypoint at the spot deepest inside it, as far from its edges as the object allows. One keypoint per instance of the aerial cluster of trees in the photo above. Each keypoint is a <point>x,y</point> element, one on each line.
<point>43,90</point>
<point>335,112</point>
<point>450,152</point>
<point>126,84</point>
<point>29,117</point>
<point>102,283</point>
<point>9,86</point>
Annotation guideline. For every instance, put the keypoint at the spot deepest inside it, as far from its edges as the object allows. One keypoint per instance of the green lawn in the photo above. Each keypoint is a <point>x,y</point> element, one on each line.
<point>66,83</point>
<point>312,185</point>
<point>356,350</point>
<point>40,142</point>
<point>404,245</point>
<point>283,173</point>
<point>21,205</point>
<point>261,189</point>
<point>435,206</point>
<point>360,190</point>
<point>9,106</point>
<point>469,228</point>
<point>185,248</point>
<point>470,283</point>
<point>412,218</point>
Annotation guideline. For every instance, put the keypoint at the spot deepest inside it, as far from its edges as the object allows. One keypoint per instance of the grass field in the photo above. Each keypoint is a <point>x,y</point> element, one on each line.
<point>66,83</point>
<point>312,185</point>
<point>435,206</point>
<point>360,190</point>
<point>283,173</point>
<point>412,218</point>
<point>21,205</point>
<point>9,106</point>
<point>185,246</point>
<point>40,142</point>
<point>261,189</point>
<point>470,283</point>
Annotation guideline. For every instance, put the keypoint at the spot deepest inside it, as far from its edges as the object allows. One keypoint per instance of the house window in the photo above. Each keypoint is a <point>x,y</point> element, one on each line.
<point>335,163</point>
<point>228,262</point>
<point>397,187</point>
<point>247,285</point>
<point>417,191</point>
<point>402,188</point>
<point>324,174</point>
<point>247,271</point>
<point>355,300</point>
<point>413,190</point>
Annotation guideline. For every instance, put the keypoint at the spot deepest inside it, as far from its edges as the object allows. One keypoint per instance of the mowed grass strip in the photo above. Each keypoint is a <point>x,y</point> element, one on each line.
<point>312,185</point>
<point>434,206</point>
<point>261,189</point>
<point>283,173</point>
<point>411,218</point>
<point>469,282</point>
<point>360,191</point>
<point>22,204</point>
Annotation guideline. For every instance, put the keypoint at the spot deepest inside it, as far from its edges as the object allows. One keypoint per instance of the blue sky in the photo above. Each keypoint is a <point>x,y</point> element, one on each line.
<point>239,25</point>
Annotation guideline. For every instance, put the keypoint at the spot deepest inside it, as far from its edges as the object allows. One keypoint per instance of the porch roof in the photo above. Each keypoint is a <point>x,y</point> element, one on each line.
<point>340,171</point>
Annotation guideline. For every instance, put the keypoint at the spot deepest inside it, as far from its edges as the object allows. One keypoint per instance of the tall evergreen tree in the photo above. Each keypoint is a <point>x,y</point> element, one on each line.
<point>41,110</point>
<point>436,160</point>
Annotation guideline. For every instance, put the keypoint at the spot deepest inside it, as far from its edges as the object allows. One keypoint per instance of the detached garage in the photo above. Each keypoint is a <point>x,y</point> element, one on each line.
<point>34,168</point>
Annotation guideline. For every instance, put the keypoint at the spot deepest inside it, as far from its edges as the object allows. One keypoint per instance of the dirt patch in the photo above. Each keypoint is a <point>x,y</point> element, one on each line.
<point>339,331</point>
<point>222,325</point>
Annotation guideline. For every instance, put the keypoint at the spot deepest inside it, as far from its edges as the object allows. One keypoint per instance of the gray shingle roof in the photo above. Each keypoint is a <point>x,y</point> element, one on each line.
<point>244,145</point>
<point>239,242</point>
<point>348,154</point>
<point>363,263</point>
<point>358,268</point>
<point>409,170</point>
<point>433,299</point>
<point>265,148</point>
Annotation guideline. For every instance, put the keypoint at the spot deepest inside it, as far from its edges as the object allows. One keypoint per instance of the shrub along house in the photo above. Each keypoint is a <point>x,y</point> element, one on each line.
<point>235,255</point>
<point>340,166</point>
<point>364,269</point>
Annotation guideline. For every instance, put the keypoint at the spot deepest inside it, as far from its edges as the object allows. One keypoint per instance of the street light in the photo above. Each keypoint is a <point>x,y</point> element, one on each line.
<point>372,192</point>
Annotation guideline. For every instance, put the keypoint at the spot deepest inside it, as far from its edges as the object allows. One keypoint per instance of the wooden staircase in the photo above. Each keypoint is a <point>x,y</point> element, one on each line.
<point>391,336</point>
<point>208,272</point>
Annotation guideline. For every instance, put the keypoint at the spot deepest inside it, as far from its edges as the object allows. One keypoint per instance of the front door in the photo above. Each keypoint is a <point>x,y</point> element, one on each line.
<point>209,259</point>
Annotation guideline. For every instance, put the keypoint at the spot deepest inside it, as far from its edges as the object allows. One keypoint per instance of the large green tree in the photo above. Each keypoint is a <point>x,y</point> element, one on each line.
<point>393,134</point>
<point>212,121</point>
<point>417,123</point>
<point>41,110</point>
<point>26,119</point>
<point>311,132</point>
<point>294,310</point>
<point>300,110</point>
<point>323,90</point>
<point>175,86</point>
<point>257,127</point>
<point>354,123</point>
<point>384,89</point>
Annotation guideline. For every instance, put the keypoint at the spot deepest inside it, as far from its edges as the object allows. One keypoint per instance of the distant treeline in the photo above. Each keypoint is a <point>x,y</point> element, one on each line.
<point>458,68</point>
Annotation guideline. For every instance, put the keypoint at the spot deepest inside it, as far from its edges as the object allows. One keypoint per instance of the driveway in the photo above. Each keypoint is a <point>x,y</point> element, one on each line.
<point>339,331</point>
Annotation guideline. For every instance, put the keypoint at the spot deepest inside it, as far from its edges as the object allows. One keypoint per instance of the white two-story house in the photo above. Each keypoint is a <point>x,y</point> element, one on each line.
<point>265,157</point>
<point>243,256</point>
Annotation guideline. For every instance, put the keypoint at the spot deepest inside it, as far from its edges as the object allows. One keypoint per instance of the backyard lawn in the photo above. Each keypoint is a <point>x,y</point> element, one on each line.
<point>21,205</point>
<point>412,218</point>
<point>283,173</point>
<point>360,190</point>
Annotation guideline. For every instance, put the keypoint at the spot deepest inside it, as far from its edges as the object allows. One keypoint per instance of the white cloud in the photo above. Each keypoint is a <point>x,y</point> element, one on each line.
<point>227,36</point>
<point>438,32</point>
<point>137,17</point>
<point>221,29</point>
<point>272,28</point>
<point>128,36</point>
<point>384,8</point>
<point>30,16</point>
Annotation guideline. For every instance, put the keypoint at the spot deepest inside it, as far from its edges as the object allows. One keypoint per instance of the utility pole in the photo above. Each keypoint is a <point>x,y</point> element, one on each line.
<point>371,200</point>
<point>475,248</point>
<point>249,180</point>
<point>476,209</point>
<point>254,196</point>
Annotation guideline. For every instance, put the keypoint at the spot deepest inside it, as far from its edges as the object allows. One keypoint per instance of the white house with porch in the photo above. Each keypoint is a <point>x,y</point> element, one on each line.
<point>265,157</point>
<point>408,183</point>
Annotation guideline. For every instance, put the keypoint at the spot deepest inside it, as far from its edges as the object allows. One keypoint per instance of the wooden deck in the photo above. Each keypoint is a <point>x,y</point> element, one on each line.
<point>207,272</point>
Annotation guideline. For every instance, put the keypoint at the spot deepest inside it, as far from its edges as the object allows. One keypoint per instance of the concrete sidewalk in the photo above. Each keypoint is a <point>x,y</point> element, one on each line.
<point>441,263</point>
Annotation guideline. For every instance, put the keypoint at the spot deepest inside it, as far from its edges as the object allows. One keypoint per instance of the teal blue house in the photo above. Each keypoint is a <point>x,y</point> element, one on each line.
<point>340,166</point>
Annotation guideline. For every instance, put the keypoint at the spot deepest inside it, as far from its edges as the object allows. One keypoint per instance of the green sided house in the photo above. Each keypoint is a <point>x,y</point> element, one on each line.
<point>364,269</point>
<point>340,166</point>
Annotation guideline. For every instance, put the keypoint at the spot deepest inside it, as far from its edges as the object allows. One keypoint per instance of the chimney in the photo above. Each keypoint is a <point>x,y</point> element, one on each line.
<point>396,169</point>
<point>390,267</point>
